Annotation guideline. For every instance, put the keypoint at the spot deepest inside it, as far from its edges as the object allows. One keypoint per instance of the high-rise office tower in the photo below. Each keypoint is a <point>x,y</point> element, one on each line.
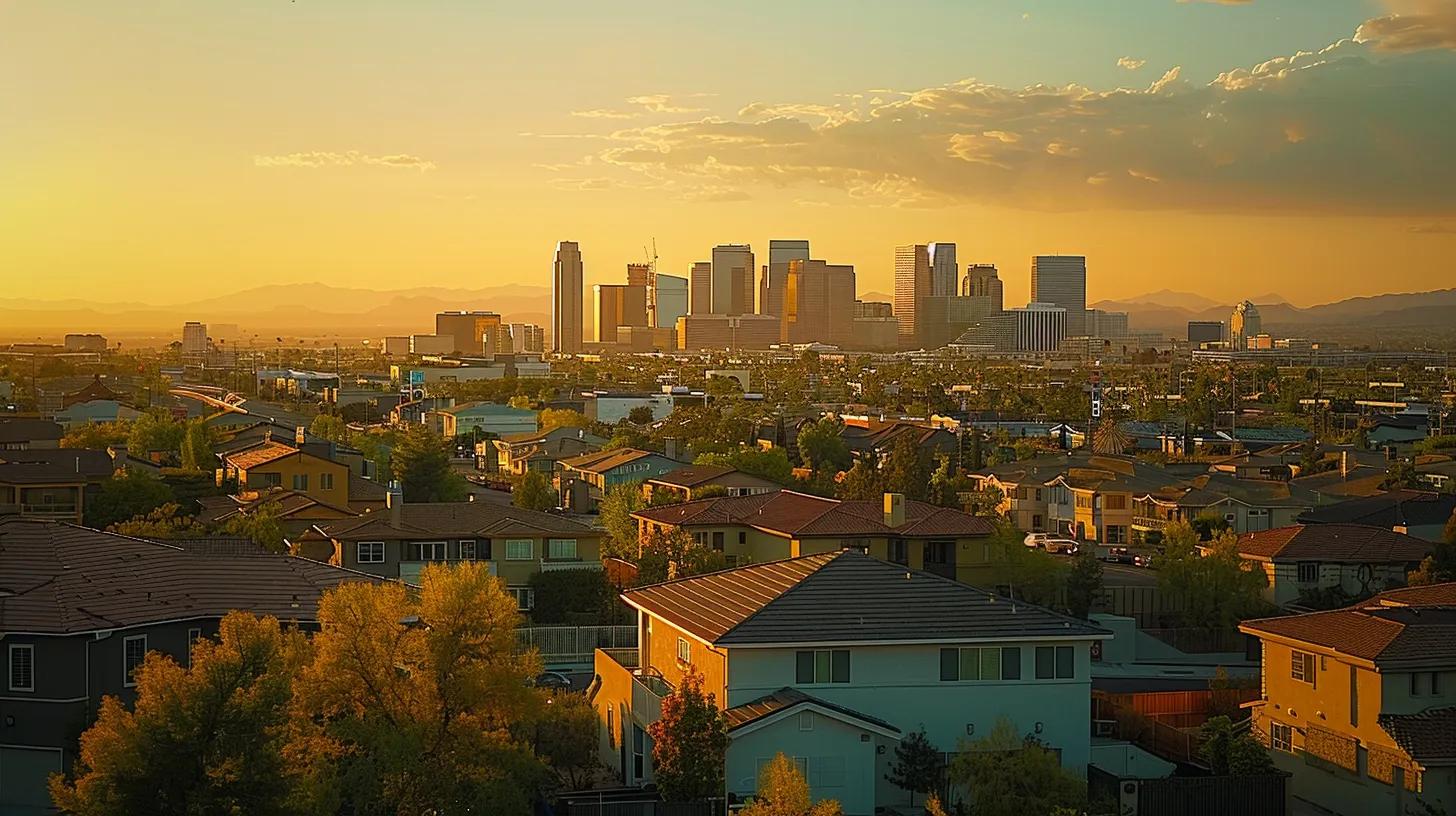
<point>672,300</point>
<point>1039,327</point>
<point>1205,331</point>
<point>1244,323</point>
<point>468,328</point>
<point>776,273</point>
<point>615,306</point>
<point>194,337</point>
<point>818,303</point>
<point>700,288</point>
<point>981,281</point>
<point>1061,280</point>
<point>566,294</point>
<point>732,281</point>
<point>912,283</point>
<point>943,269</point>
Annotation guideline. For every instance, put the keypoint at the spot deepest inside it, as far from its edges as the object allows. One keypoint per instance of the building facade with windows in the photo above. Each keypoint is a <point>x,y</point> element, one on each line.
<point>276,465</point>
<point>1303,561</point>
<point>827,659</point>
<point>1358,705</point>
<point>81,610</point>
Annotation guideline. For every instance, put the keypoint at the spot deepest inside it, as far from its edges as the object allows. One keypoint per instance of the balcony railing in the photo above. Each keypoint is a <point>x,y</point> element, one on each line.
<point>562,645</point>
<point>1149,523</point>
<point>648,686</point>
<point>553,564</point>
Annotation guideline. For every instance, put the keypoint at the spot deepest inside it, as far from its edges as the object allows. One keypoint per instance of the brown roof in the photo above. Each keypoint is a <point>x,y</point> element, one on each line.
<point>694,475</point>
<point>61,578</point>
<point>709,606</point>
<point>791,513</point>
<point>1376,629</point>
<point>261,455</point>
<point>786,698</point>
<point>601,461</point>
<point>1431,595</point>
<point>1429,737</point>
<point>426,520</point>
<point>1345,543</point>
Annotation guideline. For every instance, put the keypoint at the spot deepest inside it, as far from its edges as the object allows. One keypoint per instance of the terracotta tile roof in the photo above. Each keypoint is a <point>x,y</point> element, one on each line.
<point>1431,595</point>
<point>62,578</point>
<point>1343,543</point>
<point>428,520</point>
<point>790,513</point>
<point>1429,737</point>
<point>787,698</point>
<point>260,455</point>
<point>843,597</point>
<point>1416,625</point>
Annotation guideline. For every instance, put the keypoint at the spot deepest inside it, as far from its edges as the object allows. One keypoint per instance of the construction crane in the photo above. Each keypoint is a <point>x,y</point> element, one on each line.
<point>651,283</point>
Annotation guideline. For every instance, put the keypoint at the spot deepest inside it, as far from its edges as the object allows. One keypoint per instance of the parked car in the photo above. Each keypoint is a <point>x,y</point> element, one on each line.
<point>1060,546</point>
<point>1036,540</point>
<point>1117,555</point>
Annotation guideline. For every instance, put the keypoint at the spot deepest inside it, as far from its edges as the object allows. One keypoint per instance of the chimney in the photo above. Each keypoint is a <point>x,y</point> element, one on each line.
<point>298,436</point>
<point>894,509</point>
<point>669,446</point>
<point>394,503</point>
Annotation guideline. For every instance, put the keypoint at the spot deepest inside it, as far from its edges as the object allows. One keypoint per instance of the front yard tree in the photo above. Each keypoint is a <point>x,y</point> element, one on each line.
<point>533,492</point>
<point>689,743</point>
<point>1011,775</point>
<point>421,462</point>
<point>917,766</point>
<point>783,791</point>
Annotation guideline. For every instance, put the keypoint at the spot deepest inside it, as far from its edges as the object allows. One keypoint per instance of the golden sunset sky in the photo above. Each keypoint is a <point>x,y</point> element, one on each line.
<point>160,152</point>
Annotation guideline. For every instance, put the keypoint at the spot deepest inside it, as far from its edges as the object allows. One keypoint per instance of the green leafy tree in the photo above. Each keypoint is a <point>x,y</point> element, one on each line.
<point>154,430</point>
<point>566,740</point>
<point>332,428</point>
<point>96,435</point>
<point>204,739</point>
<point>576,597</point>
<point>917,767</point>
<point>1011,775</point>
<point>260,525</point>
<point>821,446</point>
<point>196,447</point>
<point>378,447</point>
<point>640,415</point>
<point>1440,566</point>
<point>689,742</point>
<point>783,791</point>
<point>907,469</point>
<point>124,496</point>
<point>861,482</point>
<point>532,491</point>
<point>772,464</point>
<point>1029,574</point>
<point>1084,583</point>
<point>550,418</point>
<point>163,522</point>
<point>615,513</point>
<point>1230,750</point>
<point>421,462</point>
<point>1217,589</point>
<point>675,554</point>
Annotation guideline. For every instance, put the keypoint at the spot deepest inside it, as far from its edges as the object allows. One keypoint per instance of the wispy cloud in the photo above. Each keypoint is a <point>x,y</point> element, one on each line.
<point>1131,63</point>
<point>348,158</point>
<point>664,103</point>
<point>1412,25</point>
<point>605,113</point>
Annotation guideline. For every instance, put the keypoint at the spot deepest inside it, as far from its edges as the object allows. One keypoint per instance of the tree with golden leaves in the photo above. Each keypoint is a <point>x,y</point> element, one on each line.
<point>417,706</point>
<point>200,740</point>
<point>783,791</point>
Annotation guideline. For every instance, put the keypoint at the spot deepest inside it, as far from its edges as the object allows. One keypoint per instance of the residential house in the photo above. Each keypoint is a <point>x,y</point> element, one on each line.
<point>484,419</point>
<point>50,483</point>
<point>868,439</point>
<point>78,414</point>
<point>1244,505</point>
<point>28,434</point>
<point>82,608</point>
<point>540,450</point>
<point>1094,499</point>
<point>787,524</point>
<point>1394,430</point>
<point>1023,486</point>
<point>1302,561</point>
<point>583,480</point>
<point>296,512</point>
<point>1420,513</point>
<point>400,540</point>
<point>1358,705</point>
<point>680,484</point>
<point>274,465</point>
<point>828,658</point>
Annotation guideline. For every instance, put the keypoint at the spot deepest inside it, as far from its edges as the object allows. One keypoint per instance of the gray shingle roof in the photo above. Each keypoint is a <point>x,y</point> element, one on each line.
<point>845,597</point>
<point>450,519</point>
<point>1429,737</point>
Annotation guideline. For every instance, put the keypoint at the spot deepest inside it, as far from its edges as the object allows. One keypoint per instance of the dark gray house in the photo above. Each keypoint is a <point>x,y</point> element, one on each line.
<point>79,609</point>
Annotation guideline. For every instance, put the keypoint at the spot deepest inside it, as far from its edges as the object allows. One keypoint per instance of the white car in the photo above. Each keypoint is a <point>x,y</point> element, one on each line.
<point>1036,540</point>
<point>1060,546</point>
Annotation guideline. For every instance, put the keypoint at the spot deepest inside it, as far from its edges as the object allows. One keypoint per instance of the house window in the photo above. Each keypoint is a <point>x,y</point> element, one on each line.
<point>525,597</point>
<point>899,553</point>
<point>984,663</point>
<point>700,539</point>
<point>937,552</point>
<point>1301,668</point>
<point>822,666</point>
<point>561,549</point>
<point>371,552</point>
<point>684,651</point>
<point>718,541</point>
<point>326,481</point>
<point>520,549</point>
<point>742,537</point>
<point>806,721</point>
<point>1281,737</point>
<point>22,667</point>
<point>1055,663</point>
<point>1257,519</point>
<point>1115,501</point>
<point>300,481</point>
<point>1115,534</point>
<point>268,479</point>
<point>133,652</point>
<point>639,751</point>
<point>425,551</point>
<point>467,549</point>
<point>1435,683</point>
<point>193,635</point>
<point>1309,572</point>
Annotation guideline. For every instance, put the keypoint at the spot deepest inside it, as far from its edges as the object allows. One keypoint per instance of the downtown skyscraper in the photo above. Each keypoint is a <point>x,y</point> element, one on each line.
<point>731,284</point>
<point>944,273</point>
<point>566,297</point>
<point>1061,280</point>
<point>912,285</point>
<point>776,273</point>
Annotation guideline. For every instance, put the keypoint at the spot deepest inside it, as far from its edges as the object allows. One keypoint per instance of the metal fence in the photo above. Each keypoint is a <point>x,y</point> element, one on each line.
<point>560,645</point>
<point>1261,795</point>
<point>614,803</point>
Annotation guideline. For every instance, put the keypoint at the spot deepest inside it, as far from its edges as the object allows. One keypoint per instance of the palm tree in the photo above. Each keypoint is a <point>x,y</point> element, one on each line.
<point>1109,438</point>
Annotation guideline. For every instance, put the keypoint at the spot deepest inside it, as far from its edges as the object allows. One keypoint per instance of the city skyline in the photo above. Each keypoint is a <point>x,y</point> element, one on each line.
<point>426,166</point>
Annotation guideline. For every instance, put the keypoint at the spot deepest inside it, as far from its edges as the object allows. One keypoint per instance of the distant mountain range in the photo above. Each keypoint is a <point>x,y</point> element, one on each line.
<point>1169,312</point>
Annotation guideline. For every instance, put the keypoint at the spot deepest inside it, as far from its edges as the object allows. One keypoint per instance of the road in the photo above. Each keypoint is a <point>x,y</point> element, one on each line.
<point>1127,575</point>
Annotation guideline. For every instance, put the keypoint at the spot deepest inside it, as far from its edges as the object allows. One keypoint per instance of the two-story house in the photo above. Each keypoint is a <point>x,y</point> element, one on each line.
<point>400,540</point>
<point>584,480</point>
<point>1023,487</point>
<point>21,433</point>
<point>832,658</point>
<point>681,484</point>
<point>1353,559</point>
<point>1359,704</point>
<point>52,483</point>
<point>540,450</point>
<point>274,465</point>
<point>788,524</point>
<point>80,609</point>
<point>484,419</point>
